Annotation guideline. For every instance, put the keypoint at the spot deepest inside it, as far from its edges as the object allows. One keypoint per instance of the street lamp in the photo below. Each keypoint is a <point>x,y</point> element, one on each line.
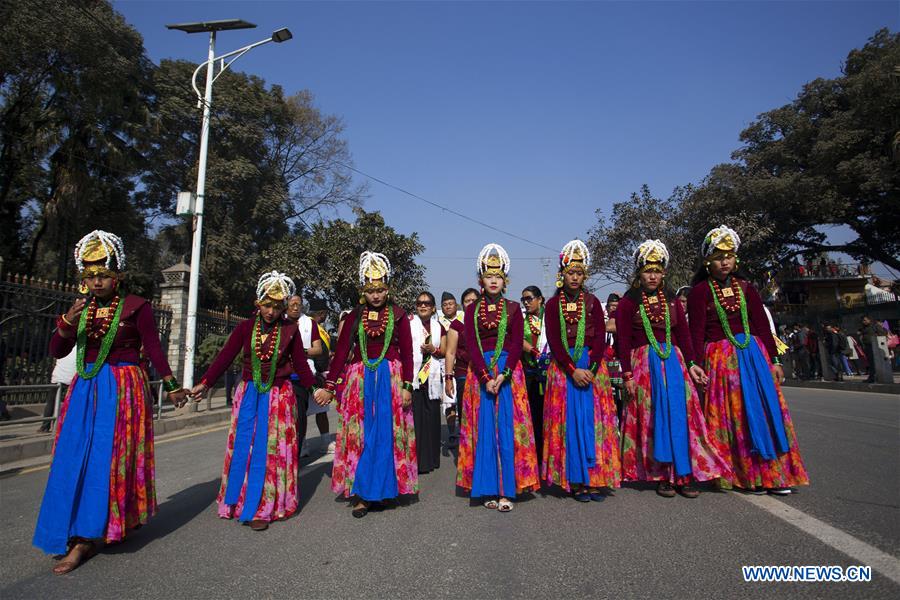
<point>205,100</point>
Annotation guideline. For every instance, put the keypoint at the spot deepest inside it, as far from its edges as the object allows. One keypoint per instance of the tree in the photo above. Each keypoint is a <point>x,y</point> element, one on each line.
<point>275,165</point>
<point>325,263</point>
<point>73,114</point>
<point>828,158</point>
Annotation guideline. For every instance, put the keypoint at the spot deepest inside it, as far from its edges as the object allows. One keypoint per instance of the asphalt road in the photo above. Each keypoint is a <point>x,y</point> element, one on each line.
<point>635,544</point>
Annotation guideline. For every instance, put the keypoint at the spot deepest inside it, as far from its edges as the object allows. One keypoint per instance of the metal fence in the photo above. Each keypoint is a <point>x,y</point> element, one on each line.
<point>29,308</point>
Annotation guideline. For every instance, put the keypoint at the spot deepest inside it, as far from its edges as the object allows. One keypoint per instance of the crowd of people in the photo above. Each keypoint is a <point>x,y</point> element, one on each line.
<point>841,352</point>
<point>673,388</point>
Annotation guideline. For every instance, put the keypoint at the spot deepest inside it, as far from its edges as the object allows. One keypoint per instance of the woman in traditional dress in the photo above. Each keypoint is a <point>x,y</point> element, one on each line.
<point>102,480</point>
<point>497,457</point>
<point>535,359</point>
<point>664,435</point>
<point>375,451</point>
<point>745,411</point>
<point>581,434</point>
<point>429,344</point>
<point>259,477</point>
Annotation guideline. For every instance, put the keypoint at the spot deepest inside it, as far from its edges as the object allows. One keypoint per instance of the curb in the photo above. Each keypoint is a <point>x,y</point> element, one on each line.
<point>23,450</point>
<point>846,386</point>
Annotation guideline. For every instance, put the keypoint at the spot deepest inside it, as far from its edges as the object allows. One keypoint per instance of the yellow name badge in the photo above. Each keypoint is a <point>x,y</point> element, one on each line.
<point>652,299</point>
<point>727,292</point>
<point>104,312</point>
<point>492,307</point>
<point>373,315</point>
<point>571,306</point>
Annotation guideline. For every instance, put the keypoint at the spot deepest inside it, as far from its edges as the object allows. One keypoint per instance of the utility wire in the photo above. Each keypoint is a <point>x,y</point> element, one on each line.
<point>444,208</point>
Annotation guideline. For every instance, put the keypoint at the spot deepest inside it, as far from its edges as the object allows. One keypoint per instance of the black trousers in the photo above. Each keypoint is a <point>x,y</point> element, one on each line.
<point>536,405</point>
<point>427,422</point>
<point>302,395</point>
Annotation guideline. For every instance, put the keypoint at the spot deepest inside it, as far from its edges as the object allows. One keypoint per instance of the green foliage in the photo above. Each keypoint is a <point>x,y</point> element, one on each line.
<point>325,263</point>
<point>209,348</point>
<point>827,158</point>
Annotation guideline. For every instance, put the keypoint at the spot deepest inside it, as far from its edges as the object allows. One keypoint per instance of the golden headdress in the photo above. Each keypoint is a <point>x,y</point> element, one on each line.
<point>574,254</point>
<point>719,240</point>
<point>651,254</point>
<point>374,270</point>
<point>493,260</point>
<point>276,287</point>
<point>99,246</point>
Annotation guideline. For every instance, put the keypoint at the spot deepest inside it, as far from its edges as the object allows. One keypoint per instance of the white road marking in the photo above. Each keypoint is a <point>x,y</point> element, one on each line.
<point>867,555</point>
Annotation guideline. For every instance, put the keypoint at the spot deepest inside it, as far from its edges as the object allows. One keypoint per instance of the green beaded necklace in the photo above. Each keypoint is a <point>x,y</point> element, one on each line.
<point>105,345</point>
<point>648,329</point>
<point>723,318</point>
<point>257,363</point>
<point>372,365</point>
<point>579,335</point>
<point>501,335</point>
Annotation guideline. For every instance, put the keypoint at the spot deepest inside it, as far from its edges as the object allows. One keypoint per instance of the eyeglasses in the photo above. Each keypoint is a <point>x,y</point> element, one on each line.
<point>424,303</point>
<point>527,299</point>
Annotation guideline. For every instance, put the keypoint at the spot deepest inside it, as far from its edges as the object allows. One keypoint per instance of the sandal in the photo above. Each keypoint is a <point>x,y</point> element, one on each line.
<point>687,490</point>
<point>491,504</point>
<point>67,565</point>
<point>597,496</point>
<point>360,511</point>
<point>665,489</point>
<point>780,491</point>
<point>259,525</point>
<point>505,505</point>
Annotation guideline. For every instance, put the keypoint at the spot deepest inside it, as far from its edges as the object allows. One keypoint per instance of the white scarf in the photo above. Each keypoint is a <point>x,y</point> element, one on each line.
<point>435,375</point>
<point>542,338</point>
<point>305,325</point>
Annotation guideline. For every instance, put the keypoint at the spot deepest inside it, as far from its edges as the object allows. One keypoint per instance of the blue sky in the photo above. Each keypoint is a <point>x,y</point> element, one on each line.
<point>529,115</point>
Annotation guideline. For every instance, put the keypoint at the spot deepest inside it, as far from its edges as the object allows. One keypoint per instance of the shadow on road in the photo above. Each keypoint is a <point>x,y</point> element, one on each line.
<point>178,510</point>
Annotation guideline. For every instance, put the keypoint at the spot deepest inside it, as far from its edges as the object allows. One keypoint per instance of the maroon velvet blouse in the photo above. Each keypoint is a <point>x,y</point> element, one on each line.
<point>291,356</point>
<point>137,329</point>
<point>631,334</point>
<point>399,348</point>
<point>704,321</point>
<point>515,335</point>
<point>594,331</point>
<point>461,366</point>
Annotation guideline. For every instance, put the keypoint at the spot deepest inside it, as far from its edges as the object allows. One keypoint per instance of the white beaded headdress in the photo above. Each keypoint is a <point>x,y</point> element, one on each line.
<point>575,253</point>
<point>373,266</point>
<point>720,239</point>
<point>275,286</point>
<point>651,252</point>
<point>493,260</point>
<point>99,245</point>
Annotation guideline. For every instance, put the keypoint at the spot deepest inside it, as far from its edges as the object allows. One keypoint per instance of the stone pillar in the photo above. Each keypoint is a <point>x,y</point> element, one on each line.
<point>175,295</point>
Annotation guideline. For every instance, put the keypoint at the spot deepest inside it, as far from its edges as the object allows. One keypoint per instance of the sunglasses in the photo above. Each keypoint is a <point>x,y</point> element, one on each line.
<point>527,299</point>
<point>424,303</point>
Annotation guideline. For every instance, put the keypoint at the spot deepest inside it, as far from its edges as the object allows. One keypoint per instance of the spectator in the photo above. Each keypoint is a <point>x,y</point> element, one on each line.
<point>799,352</point>
<point>833,349</point>
<point>869,333</point>
<point>812,346</point>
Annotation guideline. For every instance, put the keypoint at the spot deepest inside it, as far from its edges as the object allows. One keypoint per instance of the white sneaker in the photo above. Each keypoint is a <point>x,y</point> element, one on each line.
<point>330,449</point>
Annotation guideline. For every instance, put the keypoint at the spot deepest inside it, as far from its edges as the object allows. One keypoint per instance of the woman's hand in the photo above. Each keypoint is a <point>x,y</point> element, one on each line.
<point>493,386</point>
<point>406,397</point>
<point>778,372</point>
<point>197,391</point>
<point>582,377</point>
<point>72,316</point>
<point>323,396</point>
<point>450,387</point>
<point>179,397</point>
<point>631,388</point>
<point>698,375</point>
<point>427,348</point>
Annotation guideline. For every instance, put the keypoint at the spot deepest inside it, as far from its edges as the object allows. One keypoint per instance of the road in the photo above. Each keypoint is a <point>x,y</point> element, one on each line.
<point>635,544</point>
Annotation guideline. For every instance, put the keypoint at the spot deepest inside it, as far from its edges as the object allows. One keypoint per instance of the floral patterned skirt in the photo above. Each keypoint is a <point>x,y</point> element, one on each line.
<point>607,472</point>
<point>351,435</point>
<point>727,425</point>
<point>281,488</point>
<point>637,431</point>
<point>525,464</point>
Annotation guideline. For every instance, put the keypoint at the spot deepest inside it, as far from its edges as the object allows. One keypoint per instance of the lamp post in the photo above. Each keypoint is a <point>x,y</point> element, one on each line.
<point>205,101</point>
